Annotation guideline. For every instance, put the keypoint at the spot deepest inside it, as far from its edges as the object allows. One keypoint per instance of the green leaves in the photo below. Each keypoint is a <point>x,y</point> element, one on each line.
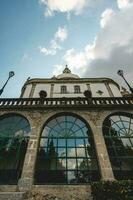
<point>112,190</point>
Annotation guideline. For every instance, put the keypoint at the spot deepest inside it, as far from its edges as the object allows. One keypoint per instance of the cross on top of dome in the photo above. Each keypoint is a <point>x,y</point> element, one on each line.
<point>66,74</point>
<point>66,70</point>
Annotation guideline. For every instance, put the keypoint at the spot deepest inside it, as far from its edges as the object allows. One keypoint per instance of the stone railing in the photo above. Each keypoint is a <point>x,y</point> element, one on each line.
<point>66,102</point>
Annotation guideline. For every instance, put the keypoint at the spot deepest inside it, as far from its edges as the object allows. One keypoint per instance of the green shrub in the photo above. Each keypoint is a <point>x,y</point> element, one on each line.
<point>112,190</point>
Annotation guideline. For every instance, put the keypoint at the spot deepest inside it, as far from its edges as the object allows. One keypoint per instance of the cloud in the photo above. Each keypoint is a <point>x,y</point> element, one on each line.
<point>124,3</point>
<point>111,49</point>
<point>64,6</point>
<point>58,69</point>
<point>61,34</point>
<point>55,44</point>
<point>76,60</point>
<point>48,13</point>
<point>119,58</point>
<point>106,16</point>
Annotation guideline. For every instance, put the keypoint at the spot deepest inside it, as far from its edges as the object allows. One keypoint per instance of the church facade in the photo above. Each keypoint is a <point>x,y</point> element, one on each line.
<point>65,132</point>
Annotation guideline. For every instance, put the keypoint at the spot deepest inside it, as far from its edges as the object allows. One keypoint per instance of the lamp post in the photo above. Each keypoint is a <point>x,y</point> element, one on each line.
<point>11,74</point>
<point>120,73</point>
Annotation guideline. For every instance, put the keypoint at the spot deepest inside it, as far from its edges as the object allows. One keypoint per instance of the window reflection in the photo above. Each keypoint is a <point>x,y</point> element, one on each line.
<point>71,175</point>
<point>119,140</point>
<point>71,152</point>
<point>67,149</point>
<point>70,142</point>
<point>80,142</point>
<point>61,152</point>
<point>14,136</point>
<point>71,164</point>
<point>62,142</point>
<point>81,151</point>
<point>82,164</point>
<point>61,164</point>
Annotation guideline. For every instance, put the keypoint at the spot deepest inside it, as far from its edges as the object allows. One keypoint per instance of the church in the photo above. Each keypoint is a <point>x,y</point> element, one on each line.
<point>64,133</point>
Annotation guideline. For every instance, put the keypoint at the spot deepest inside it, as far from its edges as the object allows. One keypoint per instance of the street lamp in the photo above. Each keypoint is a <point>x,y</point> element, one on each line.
<point>120,73</point>
<point>11,74</point>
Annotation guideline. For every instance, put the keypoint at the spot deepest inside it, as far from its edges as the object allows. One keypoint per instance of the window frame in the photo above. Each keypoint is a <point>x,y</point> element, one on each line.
<point>62,151</point>
<point>117,135</point>
<point>63,89</point>
<point>77,89</point>
<point>14,136</point>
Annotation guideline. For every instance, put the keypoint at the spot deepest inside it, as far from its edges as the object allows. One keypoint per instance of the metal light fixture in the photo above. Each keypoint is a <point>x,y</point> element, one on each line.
<point>121,73</point>
<point>11,74</point>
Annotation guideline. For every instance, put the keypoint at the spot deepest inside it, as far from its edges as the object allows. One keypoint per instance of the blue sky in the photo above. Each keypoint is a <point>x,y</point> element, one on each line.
<point>39,37</point>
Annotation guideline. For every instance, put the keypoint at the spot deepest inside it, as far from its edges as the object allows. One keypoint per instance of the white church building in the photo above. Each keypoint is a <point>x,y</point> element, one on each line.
<point>64,133</point>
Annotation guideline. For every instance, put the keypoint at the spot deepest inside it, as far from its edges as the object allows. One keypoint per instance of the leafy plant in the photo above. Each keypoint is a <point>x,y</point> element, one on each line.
<point>112,190</point>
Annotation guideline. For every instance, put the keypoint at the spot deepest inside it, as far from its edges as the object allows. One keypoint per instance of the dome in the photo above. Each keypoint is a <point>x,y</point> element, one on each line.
<point>67,74</point>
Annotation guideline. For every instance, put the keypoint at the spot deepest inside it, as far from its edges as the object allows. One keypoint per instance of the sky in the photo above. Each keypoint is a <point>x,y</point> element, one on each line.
<point>38,38</point>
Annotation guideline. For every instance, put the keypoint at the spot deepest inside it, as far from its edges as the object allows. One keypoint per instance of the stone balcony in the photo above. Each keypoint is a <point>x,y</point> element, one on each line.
<point>80,102</point>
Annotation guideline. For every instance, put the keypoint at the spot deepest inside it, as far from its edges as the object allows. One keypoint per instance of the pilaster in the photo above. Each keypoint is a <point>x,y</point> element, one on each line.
<point>102,155</point>
<point>32,90</point>
<point>109,89</point>
<point>95,120</point>
<point>27,177</point>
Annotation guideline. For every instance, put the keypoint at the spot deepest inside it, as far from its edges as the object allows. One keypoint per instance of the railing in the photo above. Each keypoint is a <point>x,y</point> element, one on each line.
<point>66,102</point>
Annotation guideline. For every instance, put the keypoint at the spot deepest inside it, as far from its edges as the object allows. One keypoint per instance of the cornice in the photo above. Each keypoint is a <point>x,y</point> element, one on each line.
<point>81,80</point>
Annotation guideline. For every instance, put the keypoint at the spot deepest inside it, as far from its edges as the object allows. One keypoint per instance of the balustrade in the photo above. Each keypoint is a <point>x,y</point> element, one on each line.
<point>66,102</point>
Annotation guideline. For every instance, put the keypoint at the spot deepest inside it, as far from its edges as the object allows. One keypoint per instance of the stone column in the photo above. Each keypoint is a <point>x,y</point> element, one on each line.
<point>27,177</point>
<point>102,154</point>
<point>95,120</point>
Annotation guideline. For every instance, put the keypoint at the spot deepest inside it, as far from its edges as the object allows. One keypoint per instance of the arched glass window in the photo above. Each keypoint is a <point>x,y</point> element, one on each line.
<point>66,152</point>
<point>14,135</point>
<point>118,134</point>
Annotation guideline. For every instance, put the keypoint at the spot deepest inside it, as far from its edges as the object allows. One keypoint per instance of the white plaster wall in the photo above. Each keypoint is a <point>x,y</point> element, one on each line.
<point>99,86</point>
<point>40,87</point>
<point>115,90</point>
<point>70,90</point>
<point>27,91</point>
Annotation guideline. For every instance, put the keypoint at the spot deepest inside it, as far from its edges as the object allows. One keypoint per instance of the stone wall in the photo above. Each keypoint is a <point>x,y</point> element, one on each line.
<point>50,193</point>
<point>37,118</point>
<point>60,192</point>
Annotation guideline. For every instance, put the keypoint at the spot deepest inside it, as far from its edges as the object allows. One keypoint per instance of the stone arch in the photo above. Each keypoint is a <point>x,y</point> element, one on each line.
<point>118,135</point>
<point>110,113</point>
<point>14,136</point>
<point>64,136</point>
<point>19,113</point>
<point>53,115</point>
<point>8,114</point>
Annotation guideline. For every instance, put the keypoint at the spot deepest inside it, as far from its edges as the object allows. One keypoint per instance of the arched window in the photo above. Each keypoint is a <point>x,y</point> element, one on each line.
<point>66,152</point>
<point>14,135</point>
<point>118,134</point>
